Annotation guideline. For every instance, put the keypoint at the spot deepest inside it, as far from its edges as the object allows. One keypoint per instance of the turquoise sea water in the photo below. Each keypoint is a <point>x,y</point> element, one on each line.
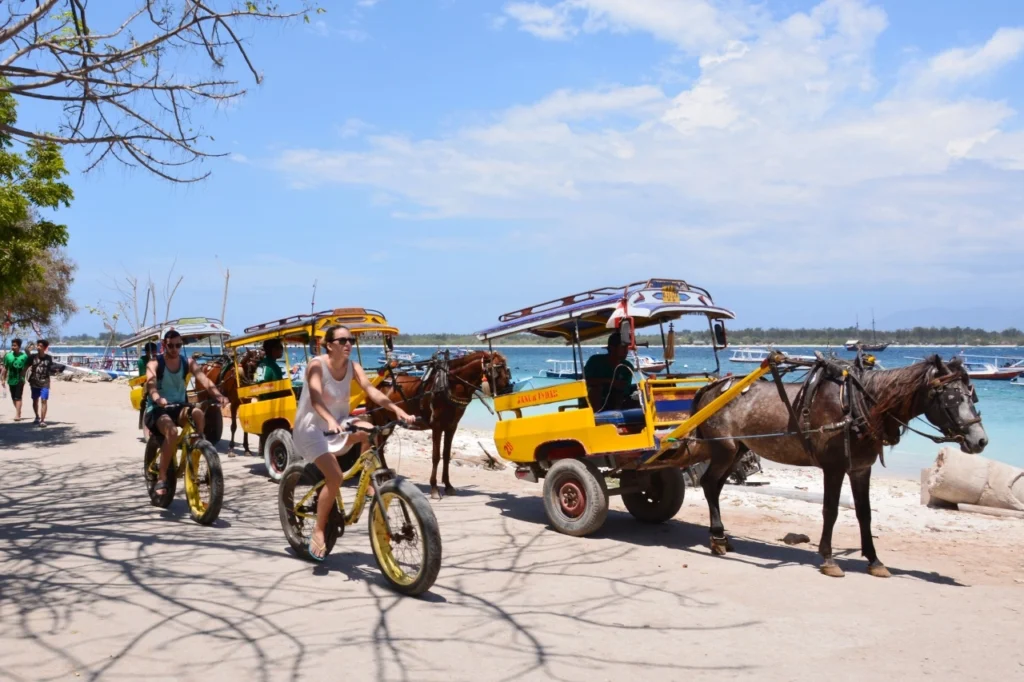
<point>1000,402</point>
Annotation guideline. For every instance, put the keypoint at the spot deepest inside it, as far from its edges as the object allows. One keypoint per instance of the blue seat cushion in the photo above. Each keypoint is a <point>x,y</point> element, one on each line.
<point>621,417</point>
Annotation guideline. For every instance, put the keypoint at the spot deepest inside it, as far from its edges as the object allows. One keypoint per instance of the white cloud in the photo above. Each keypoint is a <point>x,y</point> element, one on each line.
<point>961,63</point>
<point>690,24</point>
<point>551,23</point>
<point>784,137</point>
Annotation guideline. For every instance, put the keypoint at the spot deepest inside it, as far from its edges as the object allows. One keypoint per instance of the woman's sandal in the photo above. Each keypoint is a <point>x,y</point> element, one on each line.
<point>309,550</point>
<point>160,488</point>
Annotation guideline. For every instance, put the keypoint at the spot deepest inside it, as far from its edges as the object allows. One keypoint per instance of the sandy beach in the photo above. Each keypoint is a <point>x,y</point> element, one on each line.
<point>97,584</point>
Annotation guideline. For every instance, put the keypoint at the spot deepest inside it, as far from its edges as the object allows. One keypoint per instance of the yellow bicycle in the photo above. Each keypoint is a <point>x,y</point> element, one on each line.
<point>404,534</point>
<point>195,460</point>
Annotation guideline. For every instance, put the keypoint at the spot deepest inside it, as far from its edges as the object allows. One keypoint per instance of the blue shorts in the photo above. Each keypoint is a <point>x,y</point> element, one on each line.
<point>40,393</point>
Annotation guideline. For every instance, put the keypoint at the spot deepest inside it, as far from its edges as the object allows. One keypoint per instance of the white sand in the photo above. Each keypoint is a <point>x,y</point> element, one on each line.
<point>97,584</point>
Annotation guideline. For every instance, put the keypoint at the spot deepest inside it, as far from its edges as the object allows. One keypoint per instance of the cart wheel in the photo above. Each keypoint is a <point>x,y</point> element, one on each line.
<point>575,497</point>
<point>661,500</point>
<point>277,451</point>
<point>214,427</point>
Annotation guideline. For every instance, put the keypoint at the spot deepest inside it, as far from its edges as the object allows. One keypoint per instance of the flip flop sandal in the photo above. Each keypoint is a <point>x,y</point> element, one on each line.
<point>161,488</point>
<point>42,424</point>
<point>309,550</point>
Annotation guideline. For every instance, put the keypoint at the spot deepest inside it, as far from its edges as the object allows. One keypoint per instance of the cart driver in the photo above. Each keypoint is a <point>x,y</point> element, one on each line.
<point>268,369</point>
<point>609,378</point>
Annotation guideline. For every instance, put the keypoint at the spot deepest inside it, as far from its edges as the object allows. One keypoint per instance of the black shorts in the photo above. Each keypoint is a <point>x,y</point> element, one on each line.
<point>16,391</point>
<point>153,415</point>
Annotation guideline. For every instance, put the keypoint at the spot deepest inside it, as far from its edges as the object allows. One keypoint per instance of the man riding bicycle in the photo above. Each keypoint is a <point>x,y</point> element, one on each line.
<point>167,400</point>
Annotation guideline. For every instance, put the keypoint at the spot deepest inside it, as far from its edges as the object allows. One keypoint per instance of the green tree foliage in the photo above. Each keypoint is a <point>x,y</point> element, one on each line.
<point>28,181</point>
<point>46,301</point>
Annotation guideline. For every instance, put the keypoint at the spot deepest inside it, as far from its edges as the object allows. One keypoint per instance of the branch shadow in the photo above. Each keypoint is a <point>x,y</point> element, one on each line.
<point>694,539</point>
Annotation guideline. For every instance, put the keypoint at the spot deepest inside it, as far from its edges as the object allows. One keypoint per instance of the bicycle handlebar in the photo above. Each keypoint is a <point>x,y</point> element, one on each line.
<point>353,427</point>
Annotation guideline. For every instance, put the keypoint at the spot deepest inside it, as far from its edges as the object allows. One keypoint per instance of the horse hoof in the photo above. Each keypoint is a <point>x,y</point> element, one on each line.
<point>435,494</point>
<point>450,490</point>
<point>719,546</point>
<point>832,571</point>
<point>879,570</point>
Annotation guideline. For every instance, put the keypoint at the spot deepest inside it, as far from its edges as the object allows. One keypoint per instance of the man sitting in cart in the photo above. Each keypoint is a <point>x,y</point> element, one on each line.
<point>268,369</point>
<point>609,378</point>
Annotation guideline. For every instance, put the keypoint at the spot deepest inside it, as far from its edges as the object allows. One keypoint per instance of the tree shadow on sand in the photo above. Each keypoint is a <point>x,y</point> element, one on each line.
<point>694,539</point>
<point>79,540</point>
<point>24,434</point>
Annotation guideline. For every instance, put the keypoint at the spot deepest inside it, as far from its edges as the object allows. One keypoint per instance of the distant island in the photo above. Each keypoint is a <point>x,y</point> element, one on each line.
<point>917,336</point>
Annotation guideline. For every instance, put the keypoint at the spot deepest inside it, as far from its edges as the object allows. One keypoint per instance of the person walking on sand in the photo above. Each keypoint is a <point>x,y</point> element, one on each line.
<point>40,367</point>
<point>13,374</point>
<point>323,409</point>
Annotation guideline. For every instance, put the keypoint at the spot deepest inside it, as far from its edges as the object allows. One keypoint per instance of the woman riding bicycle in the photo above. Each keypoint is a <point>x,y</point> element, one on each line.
<point>324,408</point>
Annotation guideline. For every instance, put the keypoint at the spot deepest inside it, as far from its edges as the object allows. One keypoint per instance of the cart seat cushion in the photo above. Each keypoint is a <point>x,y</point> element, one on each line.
<point>631,417</point>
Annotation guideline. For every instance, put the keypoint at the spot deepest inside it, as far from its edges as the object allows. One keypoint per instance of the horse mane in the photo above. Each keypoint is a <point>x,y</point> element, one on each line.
<point>895,391</point>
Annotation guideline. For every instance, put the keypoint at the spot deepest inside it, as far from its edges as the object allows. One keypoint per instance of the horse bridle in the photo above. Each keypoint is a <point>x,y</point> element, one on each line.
<point>948,392</point>
<point>487,371</point>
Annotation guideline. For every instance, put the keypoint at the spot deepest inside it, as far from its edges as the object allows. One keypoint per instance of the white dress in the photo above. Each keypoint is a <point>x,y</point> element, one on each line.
<point>308,434</point>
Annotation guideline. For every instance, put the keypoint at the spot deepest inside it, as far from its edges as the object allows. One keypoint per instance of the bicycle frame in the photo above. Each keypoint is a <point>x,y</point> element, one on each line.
<point>367,467</point>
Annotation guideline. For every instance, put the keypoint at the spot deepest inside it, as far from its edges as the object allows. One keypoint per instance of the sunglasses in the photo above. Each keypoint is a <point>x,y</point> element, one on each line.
<point>174,345</point>
<point>343,339</point>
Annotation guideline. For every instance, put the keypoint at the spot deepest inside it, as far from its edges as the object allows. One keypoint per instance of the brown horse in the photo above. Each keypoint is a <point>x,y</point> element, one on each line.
<point>220,370</point>
<point>441,397</point>
<point>942,393</point>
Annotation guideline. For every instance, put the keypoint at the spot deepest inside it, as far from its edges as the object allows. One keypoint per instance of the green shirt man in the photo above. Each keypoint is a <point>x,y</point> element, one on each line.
<point>15,363</point>
<point>609,377</point>
<point>268,369</point>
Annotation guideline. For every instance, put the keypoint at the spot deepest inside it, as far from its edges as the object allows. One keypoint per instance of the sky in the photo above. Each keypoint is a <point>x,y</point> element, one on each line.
<point>446,161</point>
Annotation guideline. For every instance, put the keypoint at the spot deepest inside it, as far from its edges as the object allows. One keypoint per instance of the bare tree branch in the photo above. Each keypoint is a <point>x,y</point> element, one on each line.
<point>51,53</point>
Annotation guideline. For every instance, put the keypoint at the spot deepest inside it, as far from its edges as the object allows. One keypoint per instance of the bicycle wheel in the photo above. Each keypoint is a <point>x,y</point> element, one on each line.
<point>410,558</point>
<point>151,469</point>
<point>296,505</point>
<point>204,483</point>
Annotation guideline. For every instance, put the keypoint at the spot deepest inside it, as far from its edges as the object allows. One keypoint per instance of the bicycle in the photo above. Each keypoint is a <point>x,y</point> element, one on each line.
<point>198,462</point>
<point>403,530</point>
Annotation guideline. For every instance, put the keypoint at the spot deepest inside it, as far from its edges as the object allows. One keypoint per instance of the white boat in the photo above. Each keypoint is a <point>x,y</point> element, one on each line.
<point>562,369</point>
<point>400,357</point>
<point>648,365</point>
<point>110,365</point>
<point>748,355</point>
<point>759,355</point>
<point>991,367</point>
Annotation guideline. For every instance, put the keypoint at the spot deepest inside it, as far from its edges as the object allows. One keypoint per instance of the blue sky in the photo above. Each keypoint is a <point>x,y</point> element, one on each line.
<point>447,160</point>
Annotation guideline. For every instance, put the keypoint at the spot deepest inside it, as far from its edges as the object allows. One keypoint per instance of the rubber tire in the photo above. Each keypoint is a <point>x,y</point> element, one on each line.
<point>214,426</point>
<point>661,501</point>
<point>592,482</point>
<point>153,452</point>
<point>209,453</point>
<point>419,507</point>
<point>277,439</point>
<point>306,474</point>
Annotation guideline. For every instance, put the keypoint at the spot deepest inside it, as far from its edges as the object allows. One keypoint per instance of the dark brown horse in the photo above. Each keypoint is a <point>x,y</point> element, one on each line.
<point>441,397</point>
<point>942,393</point>
<point>220,370</point>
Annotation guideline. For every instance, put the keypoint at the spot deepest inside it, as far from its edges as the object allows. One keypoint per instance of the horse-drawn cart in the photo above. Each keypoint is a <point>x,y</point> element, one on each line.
<point>584,453</point>
<point>267,409</point>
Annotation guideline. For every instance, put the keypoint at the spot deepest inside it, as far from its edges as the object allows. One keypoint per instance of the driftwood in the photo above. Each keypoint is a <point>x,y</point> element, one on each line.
<point>959,478</point>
